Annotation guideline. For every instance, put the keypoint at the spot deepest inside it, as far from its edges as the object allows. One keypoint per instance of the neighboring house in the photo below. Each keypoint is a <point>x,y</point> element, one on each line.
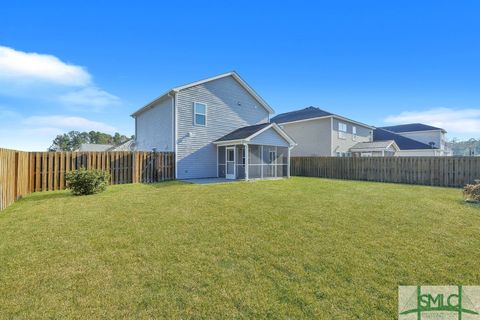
<point>128,145</point>
<point>217,127</point>
<point>432,136</point>
<point>321,133</point>
<point>407,146</point>
<point>92,147</point>
<point>415,139</point>
<point>386,148</point>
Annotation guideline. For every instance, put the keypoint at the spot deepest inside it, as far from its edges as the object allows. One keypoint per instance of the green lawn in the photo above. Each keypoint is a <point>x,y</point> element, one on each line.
<point>297,248</point>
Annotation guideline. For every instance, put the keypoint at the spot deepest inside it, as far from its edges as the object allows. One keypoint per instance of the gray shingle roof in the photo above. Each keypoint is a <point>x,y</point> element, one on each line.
<point>402,142</point>
<point>94,147</point>
<point>126,146</point>
<point>307,113</point>
<point>411,127</point>
<point>243,133</point>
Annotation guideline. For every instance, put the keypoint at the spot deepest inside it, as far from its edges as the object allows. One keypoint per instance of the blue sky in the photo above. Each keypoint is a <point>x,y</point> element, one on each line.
<point>88,65</point>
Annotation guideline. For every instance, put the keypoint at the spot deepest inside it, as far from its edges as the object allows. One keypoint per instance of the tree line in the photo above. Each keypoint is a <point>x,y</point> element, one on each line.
<point>72,140</point>
<point>470,147</point>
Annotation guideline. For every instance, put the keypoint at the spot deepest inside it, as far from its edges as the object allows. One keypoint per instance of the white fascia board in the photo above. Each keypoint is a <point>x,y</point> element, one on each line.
<point>199,82</point>
<point>230,142</point>
<point>395,146</point>
<point>352,121</point>
<point>152,103</point>
<point>259,132</point>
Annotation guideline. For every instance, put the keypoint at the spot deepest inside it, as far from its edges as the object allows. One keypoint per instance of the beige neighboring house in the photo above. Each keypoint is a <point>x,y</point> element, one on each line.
<point>386,148</point>
<point>320,133</point>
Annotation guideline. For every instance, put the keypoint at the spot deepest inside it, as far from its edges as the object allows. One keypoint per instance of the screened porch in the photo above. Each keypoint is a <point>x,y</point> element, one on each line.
<point>252,161</point>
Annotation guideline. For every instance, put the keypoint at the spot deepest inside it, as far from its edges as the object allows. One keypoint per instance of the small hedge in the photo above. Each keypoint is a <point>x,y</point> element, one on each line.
<point>471,192</point>
<point>83,182</point>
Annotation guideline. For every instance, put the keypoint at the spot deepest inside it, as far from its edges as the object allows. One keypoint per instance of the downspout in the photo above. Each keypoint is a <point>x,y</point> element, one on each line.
<point>331,136</point>
<point>175,133</point>
<point>245,145</point>
<point>288,163</point>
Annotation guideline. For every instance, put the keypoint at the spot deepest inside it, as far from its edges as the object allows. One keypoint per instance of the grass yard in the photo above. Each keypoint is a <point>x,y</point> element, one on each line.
<point>297,248</point>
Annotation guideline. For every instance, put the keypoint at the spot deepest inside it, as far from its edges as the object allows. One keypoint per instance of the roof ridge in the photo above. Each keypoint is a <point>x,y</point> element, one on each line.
<point>411,127</point>
<point>232,74</point>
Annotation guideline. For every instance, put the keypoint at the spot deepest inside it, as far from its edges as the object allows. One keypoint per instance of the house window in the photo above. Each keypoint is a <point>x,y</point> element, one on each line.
<point>200,114</point>
<point>354,133</point>
<point>342,130</point>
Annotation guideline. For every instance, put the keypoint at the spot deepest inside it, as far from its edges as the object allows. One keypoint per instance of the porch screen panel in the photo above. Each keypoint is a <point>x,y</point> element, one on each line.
<point>240,162</point>
<point>269,160</point>
<point>282,162</point>
<point>254,162</point>
<point>221,162</point>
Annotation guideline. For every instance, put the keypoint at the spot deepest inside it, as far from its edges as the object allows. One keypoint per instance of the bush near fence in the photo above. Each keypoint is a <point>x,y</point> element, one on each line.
<point>25,172</point>
<point>433,171</point>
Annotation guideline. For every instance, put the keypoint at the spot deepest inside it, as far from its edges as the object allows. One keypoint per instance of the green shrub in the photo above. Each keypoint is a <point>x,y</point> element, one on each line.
<point>472,191</point>
<point>83,181</point>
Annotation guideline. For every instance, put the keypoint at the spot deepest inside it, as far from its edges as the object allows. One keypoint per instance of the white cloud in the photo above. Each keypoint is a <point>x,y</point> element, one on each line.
<point>458,122</point>
<point>91,97</point>
<point>46,78</point>
<point>19,66</point>
<point>68,123</point>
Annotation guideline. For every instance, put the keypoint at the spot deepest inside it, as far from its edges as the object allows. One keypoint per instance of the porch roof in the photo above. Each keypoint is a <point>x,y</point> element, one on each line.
<point>245,134</point>
<point>374,146</point>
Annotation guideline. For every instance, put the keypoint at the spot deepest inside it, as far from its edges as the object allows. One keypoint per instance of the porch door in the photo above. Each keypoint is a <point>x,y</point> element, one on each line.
<point>230,159</point>
<point>273,161</point>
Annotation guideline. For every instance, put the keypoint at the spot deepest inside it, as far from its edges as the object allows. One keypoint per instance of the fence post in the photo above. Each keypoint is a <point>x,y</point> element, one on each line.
<point>15,188</point>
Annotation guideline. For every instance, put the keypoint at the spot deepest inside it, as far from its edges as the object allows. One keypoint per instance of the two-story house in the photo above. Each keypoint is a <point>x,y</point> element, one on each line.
<point>217,127</point>
<point>432,137</point>
<point>321,133</point>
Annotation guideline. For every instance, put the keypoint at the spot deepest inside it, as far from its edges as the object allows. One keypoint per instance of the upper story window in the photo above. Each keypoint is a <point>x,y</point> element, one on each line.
<point>342,130</point>
<point>354,133</point>
<point>200,114</point>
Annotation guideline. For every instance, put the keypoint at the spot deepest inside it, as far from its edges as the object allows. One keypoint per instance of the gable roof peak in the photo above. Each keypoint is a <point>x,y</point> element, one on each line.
<point>232,74</point>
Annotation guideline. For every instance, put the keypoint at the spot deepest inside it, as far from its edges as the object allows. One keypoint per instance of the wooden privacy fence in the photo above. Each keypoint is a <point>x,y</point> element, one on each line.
<point>434,171</point>
<point>14,172</point>
<point>25,172</point>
